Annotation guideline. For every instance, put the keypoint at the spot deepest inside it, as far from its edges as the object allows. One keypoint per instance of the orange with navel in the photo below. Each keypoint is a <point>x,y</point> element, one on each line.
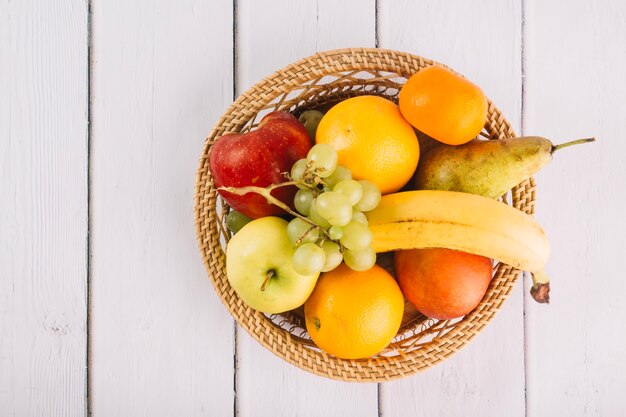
<point>373,140</point>
<point>354,315</point>
<point>444,105</point>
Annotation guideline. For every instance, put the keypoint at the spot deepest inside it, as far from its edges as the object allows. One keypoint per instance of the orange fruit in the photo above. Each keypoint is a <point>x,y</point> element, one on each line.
<point>373,140</point>
<point>354,315</point>
<point>443,105</point>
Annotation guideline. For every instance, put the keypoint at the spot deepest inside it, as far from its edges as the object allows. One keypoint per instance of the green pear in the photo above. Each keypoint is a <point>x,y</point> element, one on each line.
<point>486,167</point>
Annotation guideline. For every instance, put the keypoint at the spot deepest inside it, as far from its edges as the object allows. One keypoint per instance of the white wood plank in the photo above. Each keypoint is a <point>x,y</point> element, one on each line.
<point>483,42</point>
<point>43,206</point>
<point>575,66</point>
<point>286,32</point>
<point>162,343</point>
<point>292,30</point>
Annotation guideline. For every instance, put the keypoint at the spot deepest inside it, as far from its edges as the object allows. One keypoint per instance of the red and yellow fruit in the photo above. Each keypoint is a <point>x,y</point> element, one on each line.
<point>259,158</point>
<point>442,283</point>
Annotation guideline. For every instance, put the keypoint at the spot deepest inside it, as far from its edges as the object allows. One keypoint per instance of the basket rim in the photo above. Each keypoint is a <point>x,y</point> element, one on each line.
<point>281,342</point>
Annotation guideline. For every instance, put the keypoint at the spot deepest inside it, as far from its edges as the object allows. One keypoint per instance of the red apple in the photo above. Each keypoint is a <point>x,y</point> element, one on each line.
<point>259,157</point>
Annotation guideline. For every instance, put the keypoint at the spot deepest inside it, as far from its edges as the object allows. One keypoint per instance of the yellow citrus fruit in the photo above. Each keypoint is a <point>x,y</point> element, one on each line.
<point>354,315</point>
<point>444,105</point>
<point>373,140</point>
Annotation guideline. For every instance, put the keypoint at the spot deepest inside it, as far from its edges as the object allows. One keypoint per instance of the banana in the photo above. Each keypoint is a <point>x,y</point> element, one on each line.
<point>461,221</point>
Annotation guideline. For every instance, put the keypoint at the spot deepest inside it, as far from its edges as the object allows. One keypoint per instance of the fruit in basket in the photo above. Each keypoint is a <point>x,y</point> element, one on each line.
<point>332,255</point>
<point>354,315</point>
<point>334,214</point>
<point>360,259</point>
<point>311,119</point>
<point>442,283</point>
<point>259,158</point>
<point>323,158</point>
<point>491,168</point>
<point>372,140</point>
<point>235,221</point>
<point>299,232</point>
<point>259,267</point>
<point>420,355</point>
<point>335,203</point>
<point>486,167</point>
<point>341,173</point>
<point>308,259</point>
<point>443,105</point>
<point>461,221</point>
<point>370,196</point>
<point>334,207</point>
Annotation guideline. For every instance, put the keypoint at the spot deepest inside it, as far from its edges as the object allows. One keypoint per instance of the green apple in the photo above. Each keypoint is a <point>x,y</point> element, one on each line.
<point>259,268</point>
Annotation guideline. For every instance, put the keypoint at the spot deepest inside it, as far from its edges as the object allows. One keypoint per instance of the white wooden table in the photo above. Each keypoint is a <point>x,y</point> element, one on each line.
<point>105,307</point>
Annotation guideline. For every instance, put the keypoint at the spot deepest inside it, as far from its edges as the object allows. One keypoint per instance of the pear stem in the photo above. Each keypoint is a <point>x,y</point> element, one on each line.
<point>571,143</point>
<point>268,276</point>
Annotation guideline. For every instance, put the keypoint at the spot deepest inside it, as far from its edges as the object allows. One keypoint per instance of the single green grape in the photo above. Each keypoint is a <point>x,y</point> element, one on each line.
<point>298,169</point>
<point>370,198</point>
<point>324,158</point>
<point>302,201</point>
<point>358,216</point>
<point>335,232</point>
<point>311,119</point>
<point>308,259</point>
<point>356,236</point>
<point>360,260</point>
<point>333,255</point>
<point>351,189</point>
<point>334,207</point>
<point>315,216</point>
<point>300,232</point>
<point>341,173</point>
<point>236,220</point>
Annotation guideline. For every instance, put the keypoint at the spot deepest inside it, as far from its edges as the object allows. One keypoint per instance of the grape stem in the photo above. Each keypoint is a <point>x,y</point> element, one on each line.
<point>266,192</point>
<point>309,230</point>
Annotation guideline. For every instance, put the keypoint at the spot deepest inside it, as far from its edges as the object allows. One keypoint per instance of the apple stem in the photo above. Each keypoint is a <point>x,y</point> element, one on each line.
<point>268,276</point>
<point>266,192</point>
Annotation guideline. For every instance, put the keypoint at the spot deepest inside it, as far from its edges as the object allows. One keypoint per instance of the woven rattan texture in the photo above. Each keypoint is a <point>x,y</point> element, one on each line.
<point>317,82</point>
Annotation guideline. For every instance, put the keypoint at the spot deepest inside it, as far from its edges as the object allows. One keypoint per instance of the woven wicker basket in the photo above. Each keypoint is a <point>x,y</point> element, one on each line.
<point>319,81</point>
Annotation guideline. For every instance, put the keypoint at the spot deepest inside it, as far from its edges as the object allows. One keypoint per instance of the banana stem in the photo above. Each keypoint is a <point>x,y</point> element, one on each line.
<point>571,143</point>
<point>540,291</point>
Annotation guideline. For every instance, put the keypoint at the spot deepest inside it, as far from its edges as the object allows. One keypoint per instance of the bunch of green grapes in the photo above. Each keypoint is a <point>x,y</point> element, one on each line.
<point>333,205</point>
